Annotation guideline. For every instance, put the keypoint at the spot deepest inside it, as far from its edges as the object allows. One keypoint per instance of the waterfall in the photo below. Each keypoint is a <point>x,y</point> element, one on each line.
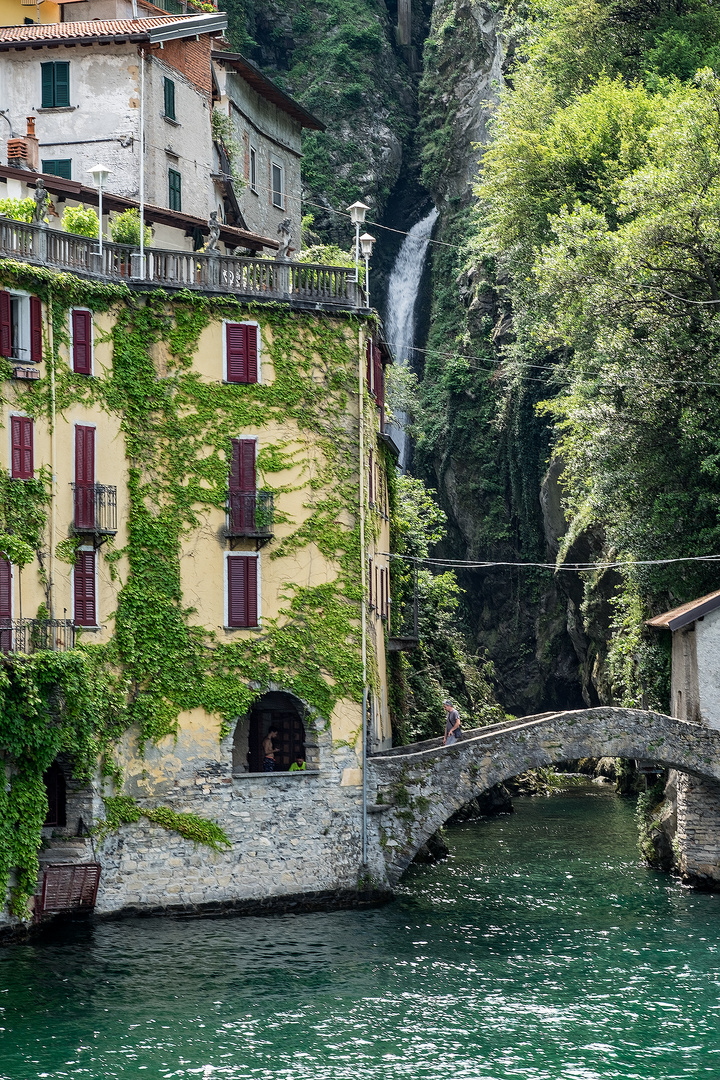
<point>402,299</point>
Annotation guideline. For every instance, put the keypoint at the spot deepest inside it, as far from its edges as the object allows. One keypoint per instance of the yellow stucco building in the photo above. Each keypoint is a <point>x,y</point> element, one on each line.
<point>195,593</point>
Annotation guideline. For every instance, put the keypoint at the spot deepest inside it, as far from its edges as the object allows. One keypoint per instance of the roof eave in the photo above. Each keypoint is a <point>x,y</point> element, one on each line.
<point>245,68</point>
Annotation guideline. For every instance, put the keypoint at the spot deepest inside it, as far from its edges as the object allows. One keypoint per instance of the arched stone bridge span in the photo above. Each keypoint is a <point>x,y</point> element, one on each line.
<point>422,785</point>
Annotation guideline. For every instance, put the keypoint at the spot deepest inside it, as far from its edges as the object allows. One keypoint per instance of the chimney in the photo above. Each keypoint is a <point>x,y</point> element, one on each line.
<point>24,153</point>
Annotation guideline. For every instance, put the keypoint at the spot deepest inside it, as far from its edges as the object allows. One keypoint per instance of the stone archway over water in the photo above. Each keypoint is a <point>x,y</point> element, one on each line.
<point>425,784</point>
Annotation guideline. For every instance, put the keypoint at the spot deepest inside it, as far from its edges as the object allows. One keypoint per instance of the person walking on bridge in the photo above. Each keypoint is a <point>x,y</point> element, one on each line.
<point>453,729</point>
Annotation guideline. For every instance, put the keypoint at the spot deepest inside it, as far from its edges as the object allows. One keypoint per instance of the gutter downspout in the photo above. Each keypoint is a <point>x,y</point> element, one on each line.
<point>363,583</point>
<point>141,193</point>
<point>53,448</point>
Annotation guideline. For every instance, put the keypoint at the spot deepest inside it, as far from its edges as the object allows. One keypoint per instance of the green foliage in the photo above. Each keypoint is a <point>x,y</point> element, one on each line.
<point>224,133</point>
<point>81,220</point>
<point>122,810</point>
<point>125,228</point>
<point>649,804</point>
<point>18,209</point>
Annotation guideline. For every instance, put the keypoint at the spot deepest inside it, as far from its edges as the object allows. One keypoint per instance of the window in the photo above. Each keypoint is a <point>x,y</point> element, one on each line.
<point>55,84</point>
<point>5,606</point>
<point>82,342</point>
<point>56,790</point>
<point>169,99</point>
<point>253,169</point>
<point>241,352</point>
<point>242,485</point>
<point>84,492</point>
<point>174,189</point>
<point>242,590</point>
<point>84,588</point>
<point>277,185</point>
<point>21,435</point>
<point>20,327</point>
<point>58,167</point>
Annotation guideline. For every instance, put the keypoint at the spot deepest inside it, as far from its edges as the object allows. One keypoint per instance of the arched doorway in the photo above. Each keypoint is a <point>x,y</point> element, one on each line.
<point>277,710</point>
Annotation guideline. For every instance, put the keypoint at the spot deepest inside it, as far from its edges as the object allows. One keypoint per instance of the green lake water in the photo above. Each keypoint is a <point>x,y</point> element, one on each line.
<point>540,950</point>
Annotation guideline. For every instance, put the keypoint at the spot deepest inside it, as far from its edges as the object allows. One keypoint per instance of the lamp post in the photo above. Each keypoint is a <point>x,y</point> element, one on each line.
<point>100,174</point>
<point>357,213</point>
<point>366,243</point>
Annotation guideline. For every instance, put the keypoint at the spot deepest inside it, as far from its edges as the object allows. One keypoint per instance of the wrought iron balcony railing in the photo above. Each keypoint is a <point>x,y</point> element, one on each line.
<point>95,509</point>
<point>36,635</point>
<point>250,513</point>
<point>404,631</point>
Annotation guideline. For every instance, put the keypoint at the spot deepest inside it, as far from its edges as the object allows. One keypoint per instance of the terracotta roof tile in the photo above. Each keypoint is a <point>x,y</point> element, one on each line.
<point>95,28</point>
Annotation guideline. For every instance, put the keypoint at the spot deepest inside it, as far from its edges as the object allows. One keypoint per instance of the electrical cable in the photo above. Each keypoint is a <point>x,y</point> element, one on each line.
<point>462,564</point>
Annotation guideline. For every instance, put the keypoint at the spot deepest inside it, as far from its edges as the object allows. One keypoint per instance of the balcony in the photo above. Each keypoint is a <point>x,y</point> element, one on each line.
<point>94,510</point>
<point>250,514</point>
<point>308,284</point>
<point>36,635</point>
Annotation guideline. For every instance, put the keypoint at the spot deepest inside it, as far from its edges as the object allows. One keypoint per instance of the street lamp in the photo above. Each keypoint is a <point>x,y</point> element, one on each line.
<point>100,174</point>
<point>366,243</point>
<point>357,213</point>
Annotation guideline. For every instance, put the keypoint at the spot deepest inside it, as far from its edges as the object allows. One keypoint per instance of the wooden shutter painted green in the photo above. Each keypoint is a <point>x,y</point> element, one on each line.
<point>62,83</point>
<point>48,85</point>
<point>174,190</point>
<point>170,99</point>
<point>58,167</point>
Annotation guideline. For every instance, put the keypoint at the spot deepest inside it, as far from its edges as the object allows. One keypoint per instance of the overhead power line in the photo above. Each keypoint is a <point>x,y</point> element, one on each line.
<point>462,564</point>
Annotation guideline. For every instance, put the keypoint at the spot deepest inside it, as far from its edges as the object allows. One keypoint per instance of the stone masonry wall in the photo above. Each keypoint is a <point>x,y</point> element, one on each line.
<point>698,830</point>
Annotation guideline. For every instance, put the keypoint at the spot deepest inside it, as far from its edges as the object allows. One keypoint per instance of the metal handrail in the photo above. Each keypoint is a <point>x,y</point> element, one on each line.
<point>263,279</point>
<point>250,513</point>
<point>36,635</point>
<point>95,509</point>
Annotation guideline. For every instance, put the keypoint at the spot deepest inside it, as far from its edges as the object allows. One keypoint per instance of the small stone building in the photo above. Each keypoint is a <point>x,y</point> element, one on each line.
<point>695,697</point>
<point>695,687</point>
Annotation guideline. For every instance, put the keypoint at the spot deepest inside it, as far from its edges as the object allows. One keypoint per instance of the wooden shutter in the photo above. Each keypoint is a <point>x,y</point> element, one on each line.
<point>35,330</point>
<point>369,372</point>
<point>242,590</point>
<point>378,380</point>
<point>84,477</point>
<point>371,477</point>
<point>22,447</point>
<point>84,588</point>
<point>82,342</point>
<point>5,606</point>
<point>241,352</point>
<point>5,324</point>
<point>62,84</point>
<point>370,582</point>
<point>48,85</point>
<point>243,485</point>
<point>170,99</point>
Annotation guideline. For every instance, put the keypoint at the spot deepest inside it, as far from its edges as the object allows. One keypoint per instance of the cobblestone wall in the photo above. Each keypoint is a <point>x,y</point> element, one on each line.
<point>698,830</point>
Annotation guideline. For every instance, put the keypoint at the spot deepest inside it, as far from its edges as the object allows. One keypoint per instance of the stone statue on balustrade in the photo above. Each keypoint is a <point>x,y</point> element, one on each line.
<point>214,227</point>
<point>42,198</point>
<point>284,229</point>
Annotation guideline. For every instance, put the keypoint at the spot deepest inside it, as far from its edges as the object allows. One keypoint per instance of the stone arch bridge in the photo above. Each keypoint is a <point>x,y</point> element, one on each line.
<point>413,790</point>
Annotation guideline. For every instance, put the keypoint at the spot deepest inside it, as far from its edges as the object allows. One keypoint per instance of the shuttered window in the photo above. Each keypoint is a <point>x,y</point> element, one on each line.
<point>174,190</point>
<point>82,342</point>
<point>84,477</point>
<point>35,330</point>
<point>5,606</point>
<point>55,84</point>
<point>242,583</point>
<point>58,167</point>
<point>241,352</point>
<point>170,99</point>
<point>21,433</point>
<point>243,484</point>
<point>5,324</point>
<point>84,588</point>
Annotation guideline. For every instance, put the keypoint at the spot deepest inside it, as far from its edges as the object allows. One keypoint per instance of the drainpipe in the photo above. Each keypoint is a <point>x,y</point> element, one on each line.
<point>363,612</point>
<point>53,493</point>
<point>142,163</point>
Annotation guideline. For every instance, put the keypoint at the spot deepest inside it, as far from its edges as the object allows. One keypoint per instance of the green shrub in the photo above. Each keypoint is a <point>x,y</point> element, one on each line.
<point>81,220</point>
<point>18,209</point>
<point>125,228</point>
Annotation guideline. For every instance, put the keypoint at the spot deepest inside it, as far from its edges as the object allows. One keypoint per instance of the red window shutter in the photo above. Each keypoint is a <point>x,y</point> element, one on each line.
<point>36,340</point>
<point>5,606</point>
<point>22,447</point>
<point>5,324</point>
<point>369,372</point>
<point>371,466</point>
<point>82,342</point>
<point>370,582</point>
<point>243,484</point>
<point>378,380</point>
<point>242,352</point>
<point>242,590</point>
<point>84,588</point>
<point>84,476</point>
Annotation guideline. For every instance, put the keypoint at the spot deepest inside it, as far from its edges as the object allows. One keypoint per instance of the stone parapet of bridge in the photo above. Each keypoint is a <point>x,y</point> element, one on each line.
<point>419,787</point>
